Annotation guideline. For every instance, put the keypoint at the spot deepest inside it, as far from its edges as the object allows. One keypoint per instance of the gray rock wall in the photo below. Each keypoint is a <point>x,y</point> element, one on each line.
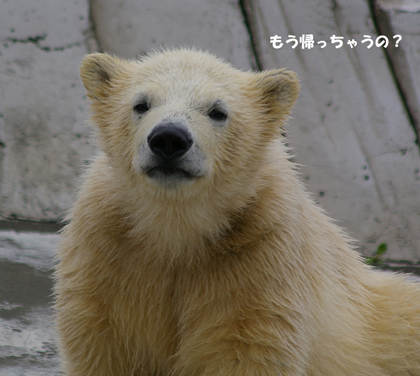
<point>129,28</point>
<point>354,129</point>
<point>351,130</point>
<point>43,137</point>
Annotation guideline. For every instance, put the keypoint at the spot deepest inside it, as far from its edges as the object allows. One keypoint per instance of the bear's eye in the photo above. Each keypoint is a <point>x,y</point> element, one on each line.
<point>141,108</point>
<point>217,114</point>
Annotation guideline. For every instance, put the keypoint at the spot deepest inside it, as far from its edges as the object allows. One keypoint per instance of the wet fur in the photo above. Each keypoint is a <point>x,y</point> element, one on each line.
<point>235,273</point>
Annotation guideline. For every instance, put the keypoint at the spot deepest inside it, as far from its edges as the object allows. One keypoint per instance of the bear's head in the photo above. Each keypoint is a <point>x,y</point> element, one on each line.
<point>182,121</point>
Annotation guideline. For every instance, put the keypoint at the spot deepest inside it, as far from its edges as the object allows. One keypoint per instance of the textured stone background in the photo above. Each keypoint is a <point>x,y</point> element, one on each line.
<point>354,129</point>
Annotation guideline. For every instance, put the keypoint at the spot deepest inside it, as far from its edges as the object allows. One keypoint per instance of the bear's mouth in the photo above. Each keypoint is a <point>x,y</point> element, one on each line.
<point>159,172</point>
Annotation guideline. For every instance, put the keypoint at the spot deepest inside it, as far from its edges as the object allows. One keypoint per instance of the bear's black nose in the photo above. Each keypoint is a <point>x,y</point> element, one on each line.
<point>169,140</point>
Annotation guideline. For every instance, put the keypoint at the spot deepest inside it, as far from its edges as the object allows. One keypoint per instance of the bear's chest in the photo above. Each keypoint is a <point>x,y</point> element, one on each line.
<point>144,311</point>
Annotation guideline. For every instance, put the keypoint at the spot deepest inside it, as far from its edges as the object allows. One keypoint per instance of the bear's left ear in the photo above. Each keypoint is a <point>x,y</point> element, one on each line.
<point>278,91</point>
<point>97,72</point>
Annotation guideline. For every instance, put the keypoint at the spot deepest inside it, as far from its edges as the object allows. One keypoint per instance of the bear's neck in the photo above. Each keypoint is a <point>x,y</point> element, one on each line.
<point>181,232</point>
<point>193,231</point>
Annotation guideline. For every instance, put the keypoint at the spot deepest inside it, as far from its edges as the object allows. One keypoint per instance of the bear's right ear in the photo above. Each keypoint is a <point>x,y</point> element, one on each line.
<point>97,71</point>
<point>278,91</point>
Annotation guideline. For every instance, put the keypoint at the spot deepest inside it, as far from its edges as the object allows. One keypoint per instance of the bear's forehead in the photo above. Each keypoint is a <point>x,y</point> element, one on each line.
<point>182,76</point>
<point>191,74</point>
<point>188,90</point>
<point>186,66</point>
<point>192,81</point>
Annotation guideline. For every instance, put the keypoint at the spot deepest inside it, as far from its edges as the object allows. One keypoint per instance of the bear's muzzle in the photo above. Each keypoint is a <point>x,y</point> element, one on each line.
<point>170,154</point>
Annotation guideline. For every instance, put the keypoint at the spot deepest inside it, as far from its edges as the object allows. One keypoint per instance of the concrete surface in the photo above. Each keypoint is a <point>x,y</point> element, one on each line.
<point>349,129</point>
<point>403,18</point>
<point>43,138</point>
<point>130,27</point>
<point>28,345</point>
